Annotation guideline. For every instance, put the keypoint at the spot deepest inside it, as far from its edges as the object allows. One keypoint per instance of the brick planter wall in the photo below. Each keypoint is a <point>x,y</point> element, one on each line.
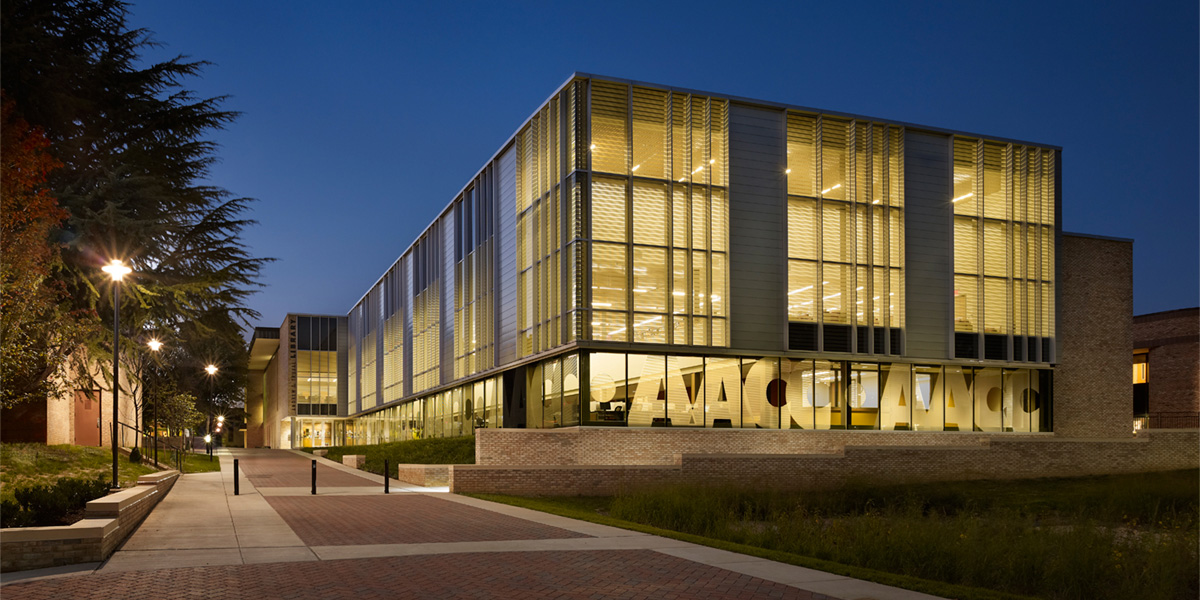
<point>107,522</point>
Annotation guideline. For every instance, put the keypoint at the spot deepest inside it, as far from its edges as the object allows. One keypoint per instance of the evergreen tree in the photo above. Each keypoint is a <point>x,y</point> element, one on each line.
<point>134,153</point>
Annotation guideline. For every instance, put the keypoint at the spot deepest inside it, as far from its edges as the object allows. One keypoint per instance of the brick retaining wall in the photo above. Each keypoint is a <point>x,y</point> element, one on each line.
<point>424,475</point>
<point>107,522</point>
<point>982,457</point>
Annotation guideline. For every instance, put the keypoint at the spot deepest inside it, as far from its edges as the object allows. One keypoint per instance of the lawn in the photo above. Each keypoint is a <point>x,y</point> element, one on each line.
<point>1127,536</point>
<point>39,464</point>
<point>432,451</point>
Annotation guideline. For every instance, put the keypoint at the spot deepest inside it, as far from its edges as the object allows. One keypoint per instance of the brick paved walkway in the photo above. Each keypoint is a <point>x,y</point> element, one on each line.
<point>401,519</point>
<point>352,541</point>
<point>630,574</point>
<point>284,469</point>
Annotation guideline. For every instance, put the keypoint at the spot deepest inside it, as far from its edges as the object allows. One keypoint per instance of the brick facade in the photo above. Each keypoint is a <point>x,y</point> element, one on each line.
<point>1173,341</point>
<point>1093,385</point>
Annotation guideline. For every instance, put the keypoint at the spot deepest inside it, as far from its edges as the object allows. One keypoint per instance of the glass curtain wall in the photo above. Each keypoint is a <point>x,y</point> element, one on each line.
<point>658,217</point>
<point>1004,199</point>
<point>451,413</point>
<point>426,334</point>
<point>548,226</point>
<point>845,234</point>
<point>655,390</point>
<point>473,267</point>
<point>316,365</point>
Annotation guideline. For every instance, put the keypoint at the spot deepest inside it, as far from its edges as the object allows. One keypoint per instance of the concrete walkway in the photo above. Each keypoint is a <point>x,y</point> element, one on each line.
<point>284,540</point>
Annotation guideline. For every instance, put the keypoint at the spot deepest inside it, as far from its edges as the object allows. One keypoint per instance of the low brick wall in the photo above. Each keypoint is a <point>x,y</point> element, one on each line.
<point>659,445</point>
<point>997,457</point>
<point>424,475</point>
<point>107,522</point>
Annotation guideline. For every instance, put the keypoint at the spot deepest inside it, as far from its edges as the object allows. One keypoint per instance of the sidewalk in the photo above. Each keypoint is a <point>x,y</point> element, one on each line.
<point>276,539</point>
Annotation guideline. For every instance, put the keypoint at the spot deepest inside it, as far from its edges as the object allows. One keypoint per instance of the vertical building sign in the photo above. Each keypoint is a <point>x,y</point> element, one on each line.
<point>291,340</point>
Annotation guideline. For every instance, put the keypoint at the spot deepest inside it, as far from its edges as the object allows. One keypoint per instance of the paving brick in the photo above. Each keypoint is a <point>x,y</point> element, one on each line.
<point>525,575</point>
<point>401,519</point>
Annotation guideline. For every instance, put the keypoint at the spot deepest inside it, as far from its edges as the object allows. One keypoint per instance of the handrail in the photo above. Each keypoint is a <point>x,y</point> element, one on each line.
<point>171,447</point>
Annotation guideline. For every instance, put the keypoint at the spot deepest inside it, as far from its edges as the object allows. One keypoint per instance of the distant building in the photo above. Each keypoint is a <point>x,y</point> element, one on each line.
<point>82,415</point>
<point>1166,369</point>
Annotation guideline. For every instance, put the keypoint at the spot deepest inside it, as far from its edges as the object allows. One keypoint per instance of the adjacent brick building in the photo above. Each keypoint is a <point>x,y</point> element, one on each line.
<point>1167,368</point>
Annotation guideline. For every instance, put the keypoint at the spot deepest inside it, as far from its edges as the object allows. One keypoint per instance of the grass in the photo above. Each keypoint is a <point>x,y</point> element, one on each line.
<point>432,451</point>
<point>39,464</point>
<point>1128,536</point>
<point>198,462</point>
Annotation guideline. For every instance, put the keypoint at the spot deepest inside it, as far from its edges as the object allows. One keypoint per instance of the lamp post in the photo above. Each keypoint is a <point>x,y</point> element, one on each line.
<point>155,346</point>
<point>211,369</point>
<point>117,270</point>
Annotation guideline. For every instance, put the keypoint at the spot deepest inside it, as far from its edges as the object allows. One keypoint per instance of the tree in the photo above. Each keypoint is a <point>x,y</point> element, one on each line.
<point>177,411</point>
<point>37,327</point>
<point>134,153</point>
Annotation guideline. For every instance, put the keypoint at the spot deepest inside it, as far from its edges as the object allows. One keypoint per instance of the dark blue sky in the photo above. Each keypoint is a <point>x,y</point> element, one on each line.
<point>362,120</point>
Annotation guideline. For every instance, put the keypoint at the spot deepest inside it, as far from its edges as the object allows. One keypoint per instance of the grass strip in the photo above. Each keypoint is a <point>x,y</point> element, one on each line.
<point>432,451</point>
<point>584,509</point>
<point>30,464</point>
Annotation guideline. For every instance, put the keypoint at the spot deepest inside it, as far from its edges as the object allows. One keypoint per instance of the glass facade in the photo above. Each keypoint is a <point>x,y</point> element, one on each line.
<point>659,217</point>
<point>316,365</point>
<point>1004,232</point>
<point>450,413</point>
<point>660,390</point>
<point>845,233</point>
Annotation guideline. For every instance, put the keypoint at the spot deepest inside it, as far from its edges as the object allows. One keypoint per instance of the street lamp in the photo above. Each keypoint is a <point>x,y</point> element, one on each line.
<point>117,270</point>
<point>211,369</point>
<point>155,346</point>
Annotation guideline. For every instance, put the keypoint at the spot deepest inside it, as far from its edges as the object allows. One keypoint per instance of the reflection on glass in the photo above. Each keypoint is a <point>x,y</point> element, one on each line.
<point>723,393</point>
<point>609,399</point>
<point>570,384</point>
<point>895,410</point>
<point>685,391</point>
<point>829,395</point>
<point>927,411</point>
<point>863,392</point>
<point>648,389</point>
<point>989,400</point>
<point>763,393</point>
<point>797,375</point>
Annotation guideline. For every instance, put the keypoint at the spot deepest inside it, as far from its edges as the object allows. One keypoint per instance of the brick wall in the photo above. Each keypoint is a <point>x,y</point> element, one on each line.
<point>998,457</point>
<point>658,446</point>
<point>107,523</point>
<point>1093,385</point>
<point>1173,338</point>
<point>424,475</point>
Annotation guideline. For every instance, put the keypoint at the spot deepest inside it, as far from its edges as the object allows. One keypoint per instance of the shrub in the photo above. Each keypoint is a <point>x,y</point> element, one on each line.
<point>44,505</point>
<point>135,456</point>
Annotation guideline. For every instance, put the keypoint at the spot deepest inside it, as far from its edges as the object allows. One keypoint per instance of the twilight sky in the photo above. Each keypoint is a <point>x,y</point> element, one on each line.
<point>363,119</point>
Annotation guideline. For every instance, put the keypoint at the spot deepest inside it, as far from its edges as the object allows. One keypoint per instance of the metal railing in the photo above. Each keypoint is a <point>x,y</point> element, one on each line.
<point>176,453</point>
<point>1167,420</point>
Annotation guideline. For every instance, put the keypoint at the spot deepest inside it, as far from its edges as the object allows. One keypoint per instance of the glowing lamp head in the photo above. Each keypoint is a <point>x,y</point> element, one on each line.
<point>155,345</point>
<point>116,269</point>
<point>211,369</point>
<point>207,439</point>
<point>220,418</point>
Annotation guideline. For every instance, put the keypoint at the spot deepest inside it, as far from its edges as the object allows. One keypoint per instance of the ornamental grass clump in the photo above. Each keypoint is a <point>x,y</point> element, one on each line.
<point>1106,537</point>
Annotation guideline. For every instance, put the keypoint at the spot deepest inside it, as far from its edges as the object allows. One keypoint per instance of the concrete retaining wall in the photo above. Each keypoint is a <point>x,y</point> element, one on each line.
<point>107,522</point>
